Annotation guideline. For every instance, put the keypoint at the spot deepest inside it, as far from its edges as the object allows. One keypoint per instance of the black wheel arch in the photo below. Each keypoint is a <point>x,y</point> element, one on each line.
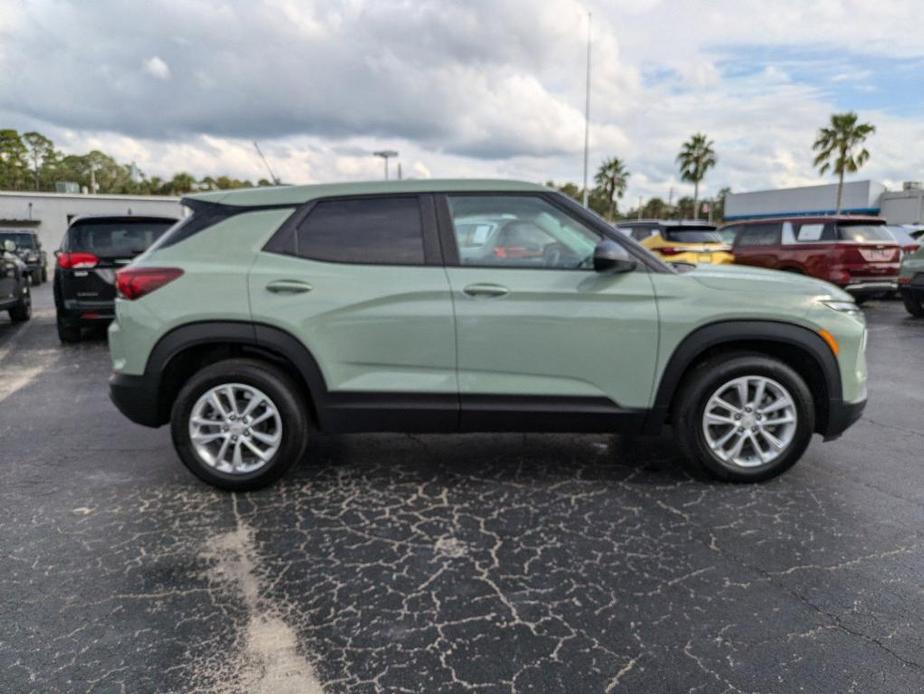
<point>188,347</point>
<point>799,347</point>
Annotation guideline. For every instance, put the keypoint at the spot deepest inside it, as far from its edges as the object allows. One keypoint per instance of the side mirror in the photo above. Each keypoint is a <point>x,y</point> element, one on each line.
<point>9,246</point>
<point>611,258</point>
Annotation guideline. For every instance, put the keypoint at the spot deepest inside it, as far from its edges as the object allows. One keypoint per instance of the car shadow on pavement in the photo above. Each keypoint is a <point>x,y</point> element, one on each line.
<point>458,458</point>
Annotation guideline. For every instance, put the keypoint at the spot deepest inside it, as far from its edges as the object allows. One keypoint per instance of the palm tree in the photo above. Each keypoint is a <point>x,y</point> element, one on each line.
<point>836,147</point>
<point>696,158</point>
<point>611,179</point>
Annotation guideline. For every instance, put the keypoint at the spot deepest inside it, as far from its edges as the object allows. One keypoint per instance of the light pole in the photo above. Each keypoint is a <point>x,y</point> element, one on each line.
<point>386,154</point>
<point>587,112</point>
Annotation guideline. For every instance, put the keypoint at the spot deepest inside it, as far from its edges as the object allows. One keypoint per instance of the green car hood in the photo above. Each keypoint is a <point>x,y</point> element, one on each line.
<point>743,278</point>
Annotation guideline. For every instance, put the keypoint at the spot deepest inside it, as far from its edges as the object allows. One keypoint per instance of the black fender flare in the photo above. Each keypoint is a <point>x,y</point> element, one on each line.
<point>729,332</point>
<point>265,337</point>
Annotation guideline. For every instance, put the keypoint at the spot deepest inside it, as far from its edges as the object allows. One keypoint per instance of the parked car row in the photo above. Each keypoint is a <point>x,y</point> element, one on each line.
<point>862,255</point>
<point>29,249</point>
<point>15,292</point>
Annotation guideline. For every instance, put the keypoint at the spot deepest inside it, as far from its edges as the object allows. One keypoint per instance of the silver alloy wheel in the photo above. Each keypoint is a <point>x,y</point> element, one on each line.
<point>235,428</point>
<point>750,421</point>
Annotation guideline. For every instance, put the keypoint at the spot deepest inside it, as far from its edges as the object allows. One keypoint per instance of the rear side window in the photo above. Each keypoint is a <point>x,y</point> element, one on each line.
<point>759,235</point>
<point>863,233</point>
<point>383,231</point>
<point>642,233</point>
<point>115,239</point>
<point>692,235</point>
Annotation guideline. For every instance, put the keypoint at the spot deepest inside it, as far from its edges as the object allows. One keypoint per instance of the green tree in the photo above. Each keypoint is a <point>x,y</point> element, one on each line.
<point>656,208</point>
<point>695,159</point>
<point>14,167</point>
<point>611,179</point>
<point>42,157</point>
<point>837,148</point>
<point>686,208</point>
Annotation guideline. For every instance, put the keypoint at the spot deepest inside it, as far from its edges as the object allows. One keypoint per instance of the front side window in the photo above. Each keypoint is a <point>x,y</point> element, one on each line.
<point>371,231</point>
<point>519,232</point>
<point>759,235</point>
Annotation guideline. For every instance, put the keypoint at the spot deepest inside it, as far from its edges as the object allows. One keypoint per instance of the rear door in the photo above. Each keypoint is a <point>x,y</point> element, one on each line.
<point>360,282</point>
<point>541,332</point>
<point>101,246</point>
<point>758,245</point>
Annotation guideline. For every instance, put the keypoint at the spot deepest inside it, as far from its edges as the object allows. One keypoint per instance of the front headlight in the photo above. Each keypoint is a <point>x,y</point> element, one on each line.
<point>847,307</point>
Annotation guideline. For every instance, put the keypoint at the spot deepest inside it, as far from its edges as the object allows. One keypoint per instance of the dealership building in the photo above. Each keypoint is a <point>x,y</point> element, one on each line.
<point>860,197</point>
<point>49,214</point>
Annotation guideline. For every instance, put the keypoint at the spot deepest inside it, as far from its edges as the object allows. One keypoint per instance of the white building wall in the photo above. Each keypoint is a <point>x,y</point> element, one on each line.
<point>50,213</point>
<point>903,207</point>
<point>860,197</point>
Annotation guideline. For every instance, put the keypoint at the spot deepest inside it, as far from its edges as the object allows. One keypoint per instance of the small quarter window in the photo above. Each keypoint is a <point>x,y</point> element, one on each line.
<point>371,231</point>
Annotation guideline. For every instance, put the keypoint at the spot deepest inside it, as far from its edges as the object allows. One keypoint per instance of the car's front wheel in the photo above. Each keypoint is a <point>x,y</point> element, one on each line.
<point>744,417</point>
<point>239,424</point>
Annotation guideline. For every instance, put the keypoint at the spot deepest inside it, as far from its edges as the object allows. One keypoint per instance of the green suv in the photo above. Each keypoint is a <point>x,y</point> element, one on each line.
<point>465,306</point>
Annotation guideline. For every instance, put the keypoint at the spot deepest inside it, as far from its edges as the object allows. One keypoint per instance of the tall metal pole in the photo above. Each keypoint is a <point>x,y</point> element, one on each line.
<point>587,112</point>
<point>386,154</point>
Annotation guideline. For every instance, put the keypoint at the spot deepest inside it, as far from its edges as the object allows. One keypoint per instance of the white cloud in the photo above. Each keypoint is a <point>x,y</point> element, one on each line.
<point>156,67</point>
<point>480,88</point>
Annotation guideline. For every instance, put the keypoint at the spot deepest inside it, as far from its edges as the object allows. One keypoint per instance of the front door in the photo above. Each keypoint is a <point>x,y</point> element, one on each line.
<point>544,342</point>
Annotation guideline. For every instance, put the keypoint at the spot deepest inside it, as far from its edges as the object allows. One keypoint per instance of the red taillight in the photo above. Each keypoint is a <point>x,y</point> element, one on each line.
<point>77,260</point>
<point>670,250</point>
<point>134,283</point>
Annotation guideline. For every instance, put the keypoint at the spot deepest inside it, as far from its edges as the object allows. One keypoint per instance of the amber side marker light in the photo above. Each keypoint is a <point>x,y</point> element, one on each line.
<point>829,339</point>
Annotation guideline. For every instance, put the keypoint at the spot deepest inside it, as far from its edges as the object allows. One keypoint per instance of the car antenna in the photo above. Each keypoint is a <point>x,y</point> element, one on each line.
<point>273,176</point>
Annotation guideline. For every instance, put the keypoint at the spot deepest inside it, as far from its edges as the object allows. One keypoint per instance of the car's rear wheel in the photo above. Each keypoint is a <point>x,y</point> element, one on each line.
<point>69,334</point>
<point>913,304</point>
<point>744,418</point>
<point>239,424</point>
<point>44,274</point>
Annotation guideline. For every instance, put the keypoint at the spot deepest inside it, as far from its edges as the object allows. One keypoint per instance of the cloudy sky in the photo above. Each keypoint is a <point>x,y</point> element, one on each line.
<point>465,87</point>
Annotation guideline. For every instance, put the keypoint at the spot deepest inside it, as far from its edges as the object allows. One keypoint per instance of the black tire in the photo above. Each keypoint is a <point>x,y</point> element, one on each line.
<point>44,275</point>
<point>861,299</point>
<point>285,396</point>
<point>23,311</point>
<point>69,334</point>
<point>913,304</point>
<point>699,387</point>
<point>36,277</point>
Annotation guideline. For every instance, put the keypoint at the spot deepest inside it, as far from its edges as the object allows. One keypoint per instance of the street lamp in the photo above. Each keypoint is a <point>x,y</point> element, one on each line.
<point>386,154</point>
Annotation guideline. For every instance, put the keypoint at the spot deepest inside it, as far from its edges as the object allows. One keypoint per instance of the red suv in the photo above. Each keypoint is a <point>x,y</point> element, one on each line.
<point>855,253</point>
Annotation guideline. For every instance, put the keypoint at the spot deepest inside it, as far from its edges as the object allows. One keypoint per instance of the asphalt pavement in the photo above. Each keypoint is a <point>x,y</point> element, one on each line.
<point>495,563</point>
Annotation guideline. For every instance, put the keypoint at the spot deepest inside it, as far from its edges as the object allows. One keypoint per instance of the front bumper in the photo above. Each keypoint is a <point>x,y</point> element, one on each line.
<point>137,398</point>
<point>841,416</point>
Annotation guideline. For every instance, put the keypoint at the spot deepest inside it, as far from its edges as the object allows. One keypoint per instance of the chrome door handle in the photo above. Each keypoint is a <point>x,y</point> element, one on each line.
<point>486,290</point>
<point>288,287</point>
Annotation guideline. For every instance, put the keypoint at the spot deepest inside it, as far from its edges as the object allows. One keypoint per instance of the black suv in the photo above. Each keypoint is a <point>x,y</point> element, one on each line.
<point>29,250</point>
<point>15,295</point>
<point>92,250</point>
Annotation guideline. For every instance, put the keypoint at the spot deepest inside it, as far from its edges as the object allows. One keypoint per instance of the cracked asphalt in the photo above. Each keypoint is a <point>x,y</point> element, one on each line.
<point>537,563</point>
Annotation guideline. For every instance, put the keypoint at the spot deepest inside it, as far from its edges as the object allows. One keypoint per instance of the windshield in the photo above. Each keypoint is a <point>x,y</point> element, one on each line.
<point>692,235</point>
<point>21,239</point>
<point>117,238</point>
<point>864,233</point>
